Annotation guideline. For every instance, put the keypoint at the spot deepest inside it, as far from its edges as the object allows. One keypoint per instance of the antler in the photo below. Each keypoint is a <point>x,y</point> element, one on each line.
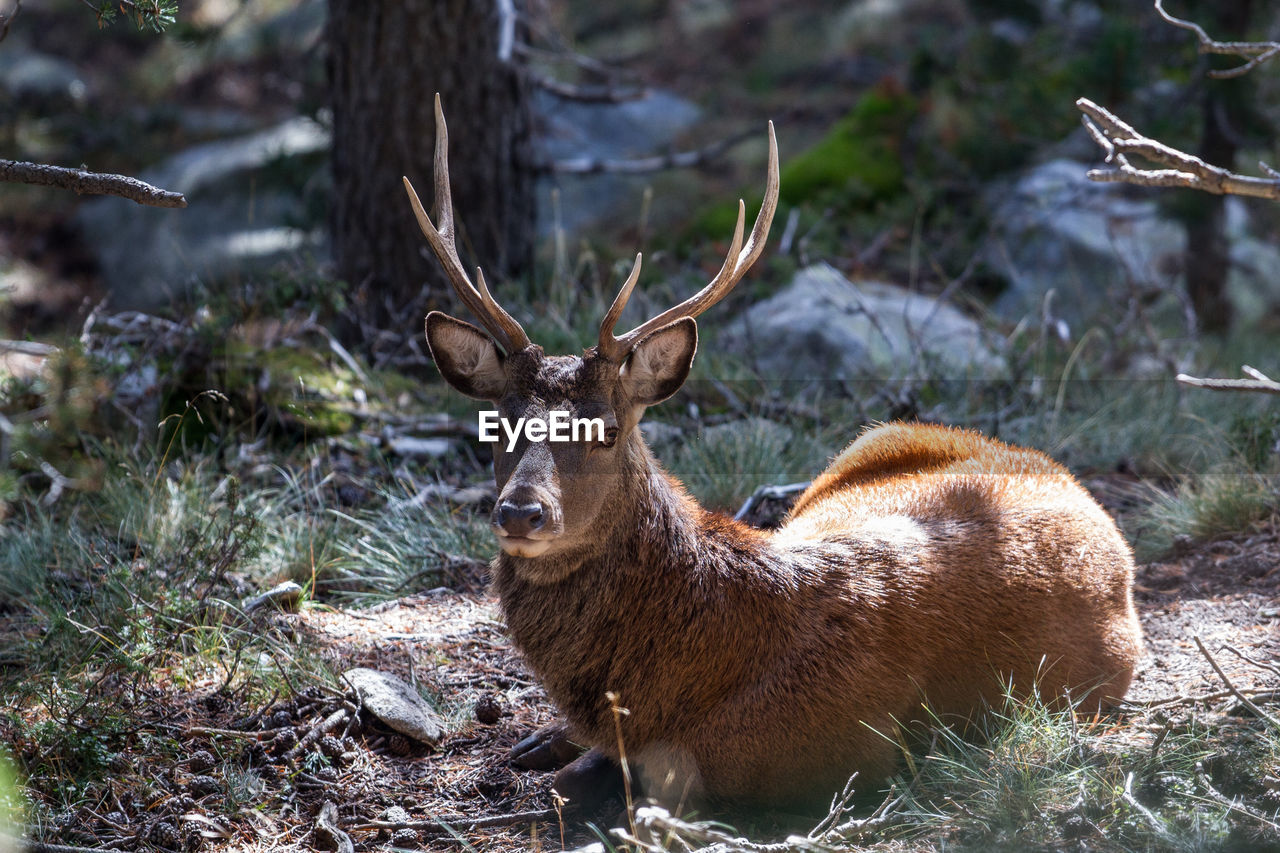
<point>736,263</point>
<point>504,328</point>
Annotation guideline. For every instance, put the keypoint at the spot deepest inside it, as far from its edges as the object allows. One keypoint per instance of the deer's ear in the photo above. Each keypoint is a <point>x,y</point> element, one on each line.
<point>660,363</point>
<point>466,357</point>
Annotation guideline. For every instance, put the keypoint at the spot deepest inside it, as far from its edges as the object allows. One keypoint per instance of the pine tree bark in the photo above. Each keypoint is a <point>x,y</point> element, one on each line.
<point>1207,261</point>
<point>387,59</point>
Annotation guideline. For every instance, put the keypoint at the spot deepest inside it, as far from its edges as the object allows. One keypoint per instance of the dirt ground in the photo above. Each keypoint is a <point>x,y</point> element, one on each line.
<point>1226,592</point>
<point>246,782</point>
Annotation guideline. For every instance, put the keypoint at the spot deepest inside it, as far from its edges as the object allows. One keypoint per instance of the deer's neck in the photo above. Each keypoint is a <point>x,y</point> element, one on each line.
<point>667,585</point>
<point>650,531</point>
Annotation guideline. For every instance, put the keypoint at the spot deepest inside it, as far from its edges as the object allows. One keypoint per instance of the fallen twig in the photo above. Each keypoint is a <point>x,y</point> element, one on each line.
<point>206,731</point>
<point>644,165</point>
<point>89,183</point>
<point>28,347</point>
<point>317,731</point>
<point>1155,822</point>
<point>1260,664</point>
<point>1191,699</point>
<point>769,493</point>
<point>327,830</point>
<point>460,822</point>
<point>43,847</point>
<point>1234,805</point>
<point>1245,700</point>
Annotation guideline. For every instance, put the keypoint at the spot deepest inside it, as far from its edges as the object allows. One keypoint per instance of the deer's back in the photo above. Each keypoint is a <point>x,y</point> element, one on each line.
<point>976,564</point>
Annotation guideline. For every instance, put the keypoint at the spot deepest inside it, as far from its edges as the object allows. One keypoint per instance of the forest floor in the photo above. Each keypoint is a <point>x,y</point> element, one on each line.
<point>464,793</point>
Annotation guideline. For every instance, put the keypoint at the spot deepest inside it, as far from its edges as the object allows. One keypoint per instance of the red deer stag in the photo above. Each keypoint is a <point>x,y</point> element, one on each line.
<point>925,565</point>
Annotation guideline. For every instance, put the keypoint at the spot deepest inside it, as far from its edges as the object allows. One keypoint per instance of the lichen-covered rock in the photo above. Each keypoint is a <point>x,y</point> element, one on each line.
<point>397,704</point>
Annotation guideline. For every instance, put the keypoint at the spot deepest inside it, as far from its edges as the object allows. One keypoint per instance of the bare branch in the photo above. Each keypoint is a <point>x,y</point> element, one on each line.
<point>1257,381</point>
<point>89,183</point>
<point>28,348</point>
<point>644,165</point>
<point>595,94</point>
<point>588,64</point>
<point>1254,52</point>
<point>1118,140</point>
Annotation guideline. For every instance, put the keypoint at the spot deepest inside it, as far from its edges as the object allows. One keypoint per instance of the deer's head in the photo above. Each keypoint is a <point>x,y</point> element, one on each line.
<point>551,493</point>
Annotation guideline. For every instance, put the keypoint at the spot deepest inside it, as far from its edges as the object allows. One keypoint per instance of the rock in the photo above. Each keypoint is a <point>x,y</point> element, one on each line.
<point>245,203</point>
<point>657,434</point>
<point>285,596</point>
<point>575,130</point>
<point>397,704</point>
<point>750,430</point>
<point>1054,229</point>
<point>29,76</point>
<point>823,326</point>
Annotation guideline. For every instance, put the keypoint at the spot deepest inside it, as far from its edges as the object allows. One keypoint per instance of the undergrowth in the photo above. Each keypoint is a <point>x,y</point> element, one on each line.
<point>130,539</point>
<point>1035,776</point>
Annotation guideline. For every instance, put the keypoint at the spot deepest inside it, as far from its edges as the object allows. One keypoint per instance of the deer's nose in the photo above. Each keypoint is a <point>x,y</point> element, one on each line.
<point>518,519</point>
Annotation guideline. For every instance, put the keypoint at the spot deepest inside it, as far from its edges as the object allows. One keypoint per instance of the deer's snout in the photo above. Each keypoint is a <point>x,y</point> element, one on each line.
<point>519,519</point>
<point>525,525</point>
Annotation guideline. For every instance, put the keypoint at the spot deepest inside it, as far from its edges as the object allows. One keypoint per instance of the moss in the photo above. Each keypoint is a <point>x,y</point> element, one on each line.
<point>857,164</point>
<point>860,160</point>
<point>299,387</point>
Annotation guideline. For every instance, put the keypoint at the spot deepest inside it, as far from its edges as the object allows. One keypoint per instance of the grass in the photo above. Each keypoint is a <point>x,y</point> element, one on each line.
<point>1229,498</point>
<point>1041,777</point>
<point>723,465</point>
<point>122,592</point>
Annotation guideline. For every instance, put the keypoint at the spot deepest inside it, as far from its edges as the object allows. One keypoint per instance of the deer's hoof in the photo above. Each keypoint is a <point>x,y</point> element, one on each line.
<point>589,781</point>
<point>549,748</point>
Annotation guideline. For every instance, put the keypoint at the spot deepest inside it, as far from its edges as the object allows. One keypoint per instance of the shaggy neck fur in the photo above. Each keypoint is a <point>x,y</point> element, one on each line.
<point>665,584</point>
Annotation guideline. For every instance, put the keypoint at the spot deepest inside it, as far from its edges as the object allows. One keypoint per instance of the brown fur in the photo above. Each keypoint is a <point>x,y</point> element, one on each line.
<point>926,565</point>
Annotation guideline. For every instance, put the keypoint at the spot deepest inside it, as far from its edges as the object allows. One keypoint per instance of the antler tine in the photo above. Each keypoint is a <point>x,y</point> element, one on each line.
<point>737,261</point>
<point>501,325</point>
<point>608,345</point>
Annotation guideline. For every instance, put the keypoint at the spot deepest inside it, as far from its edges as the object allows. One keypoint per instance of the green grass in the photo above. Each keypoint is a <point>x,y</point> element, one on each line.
<point>1039,777</point>
<point>1228,498</point>
<point>722,466</point>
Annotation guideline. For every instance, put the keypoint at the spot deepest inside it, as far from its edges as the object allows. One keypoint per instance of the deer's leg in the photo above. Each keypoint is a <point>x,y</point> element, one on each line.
<point>589,780</point>
<point>549,748</point>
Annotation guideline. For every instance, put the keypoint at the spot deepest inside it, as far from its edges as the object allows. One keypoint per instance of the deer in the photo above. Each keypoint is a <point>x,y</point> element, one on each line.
<point>922,575</point>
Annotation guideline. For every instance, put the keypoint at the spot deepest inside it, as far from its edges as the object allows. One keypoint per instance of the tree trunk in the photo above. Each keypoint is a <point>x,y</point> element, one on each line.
<point>387,59</point>
<point>1207,261</point>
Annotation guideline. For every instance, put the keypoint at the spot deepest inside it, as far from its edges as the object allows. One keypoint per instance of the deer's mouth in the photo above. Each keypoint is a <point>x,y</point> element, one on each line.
<point>525,546</point>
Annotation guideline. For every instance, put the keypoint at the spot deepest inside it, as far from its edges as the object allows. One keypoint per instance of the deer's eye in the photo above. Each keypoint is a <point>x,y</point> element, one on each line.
<point>610,437</point>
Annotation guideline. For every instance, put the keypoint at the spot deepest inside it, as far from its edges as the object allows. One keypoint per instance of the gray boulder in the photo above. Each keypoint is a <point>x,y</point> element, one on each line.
<point>32,77</point>
<point>1054,229</point>
<point>823,326</point>
<point>1091,243</point>
<point>603,131</point>
<point>245,211</point>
